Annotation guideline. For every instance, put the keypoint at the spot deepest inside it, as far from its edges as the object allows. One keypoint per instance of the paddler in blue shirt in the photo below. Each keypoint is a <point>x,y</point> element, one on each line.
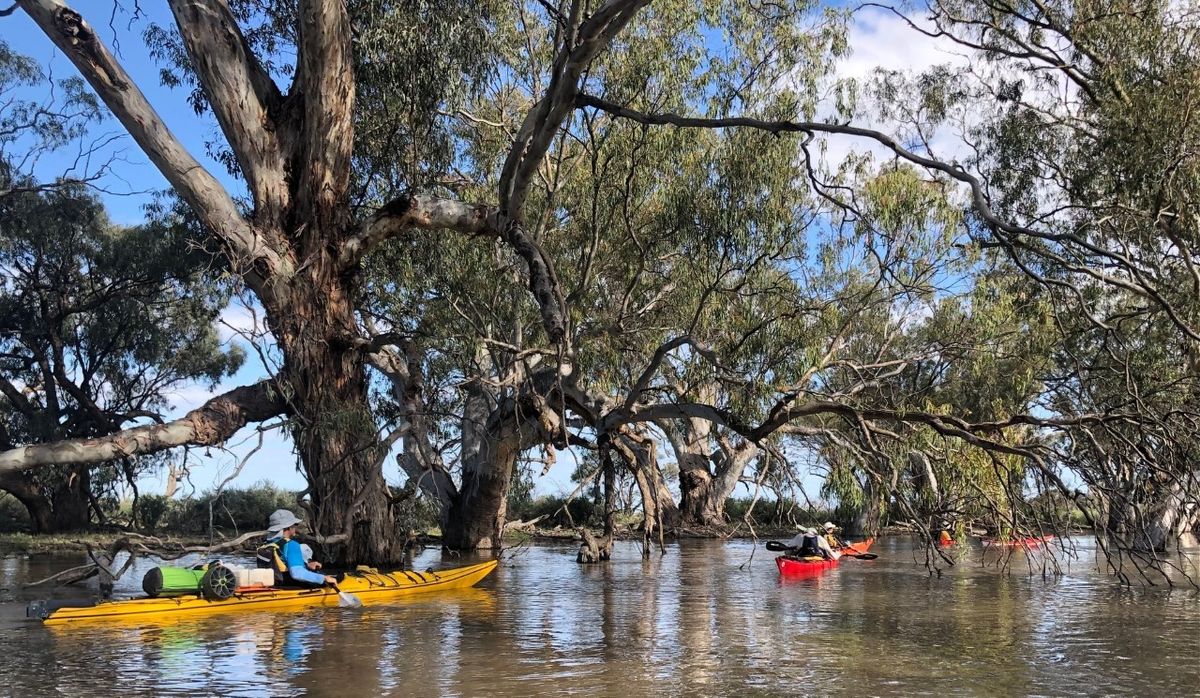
<point>285,556</point>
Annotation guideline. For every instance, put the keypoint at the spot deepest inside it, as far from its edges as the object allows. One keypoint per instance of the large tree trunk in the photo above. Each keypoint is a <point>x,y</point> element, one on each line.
<point>37,504</point>
<point>658,504</point>
<point>690,440</point>
<point>475,515</point>
<point>706,478</point>
<point>336,437</point>
<point>1171,524</point>
<point>71,501</point>
<point>867,519</point>
<point>491,441</point>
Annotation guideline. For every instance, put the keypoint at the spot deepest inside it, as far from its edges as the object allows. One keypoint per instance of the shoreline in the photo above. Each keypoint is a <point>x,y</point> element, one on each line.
<point>36,543</point>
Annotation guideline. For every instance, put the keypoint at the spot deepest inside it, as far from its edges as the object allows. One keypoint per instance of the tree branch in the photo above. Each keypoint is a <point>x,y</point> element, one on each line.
<point>210,424</point>
<point>324,76</point>
<point>242,96</point>
<point>576,52</point>
<point>433,213</point>
<point>212,204</point>
<point>978,197</point>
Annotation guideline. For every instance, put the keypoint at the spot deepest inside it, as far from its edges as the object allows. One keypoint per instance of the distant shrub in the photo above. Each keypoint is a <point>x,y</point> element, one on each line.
<point>151,508</point>
<point>781,512</point>
<point>233,511</point>
<point>583,512</point>
<point>13,515</point>
<point>413,512</point>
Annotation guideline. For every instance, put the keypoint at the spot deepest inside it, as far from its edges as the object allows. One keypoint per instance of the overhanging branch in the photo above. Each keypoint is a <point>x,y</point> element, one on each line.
<point>1137,284</point>
<point>434,213</point>
<point>210,424</point>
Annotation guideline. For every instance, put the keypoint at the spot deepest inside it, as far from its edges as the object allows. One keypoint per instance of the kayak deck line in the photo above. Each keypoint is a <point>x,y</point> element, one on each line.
<point>370,585</point>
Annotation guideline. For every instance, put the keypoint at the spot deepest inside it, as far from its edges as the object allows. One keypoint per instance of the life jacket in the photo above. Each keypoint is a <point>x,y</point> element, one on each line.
<point>833,541</point>
<point>809,548</point>
<point>269,556</point>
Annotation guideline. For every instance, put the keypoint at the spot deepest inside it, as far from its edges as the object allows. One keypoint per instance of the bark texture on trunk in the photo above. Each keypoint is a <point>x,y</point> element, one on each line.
<point>709,470</point>
<point>492,441</point>
<point>336,439</point>
<point>690,440</point>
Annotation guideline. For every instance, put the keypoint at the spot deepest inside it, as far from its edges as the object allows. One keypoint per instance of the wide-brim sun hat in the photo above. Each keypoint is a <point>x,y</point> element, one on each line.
<point>281,519</point>
<point>811,531</point>
<point>829,526</point>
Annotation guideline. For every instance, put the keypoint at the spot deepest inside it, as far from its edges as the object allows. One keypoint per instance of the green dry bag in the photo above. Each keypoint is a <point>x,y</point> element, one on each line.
<point>172,581</point>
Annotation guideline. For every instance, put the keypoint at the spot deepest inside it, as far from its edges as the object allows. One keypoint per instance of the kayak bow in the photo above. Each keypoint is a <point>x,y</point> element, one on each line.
<point>789,565</point>
<point>369,586</point>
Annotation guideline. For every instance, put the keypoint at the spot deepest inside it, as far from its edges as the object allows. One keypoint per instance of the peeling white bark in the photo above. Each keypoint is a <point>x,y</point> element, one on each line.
<point>211,423</point>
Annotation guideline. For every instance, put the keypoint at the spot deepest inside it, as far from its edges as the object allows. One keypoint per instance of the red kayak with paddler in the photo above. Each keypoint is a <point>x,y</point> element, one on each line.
<point>798,561</point>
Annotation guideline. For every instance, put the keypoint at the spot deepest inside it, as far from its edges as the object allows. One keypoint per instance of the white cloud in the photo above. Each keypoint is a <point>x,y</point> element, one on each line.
<point>881,40</point>
<point>239,321</point>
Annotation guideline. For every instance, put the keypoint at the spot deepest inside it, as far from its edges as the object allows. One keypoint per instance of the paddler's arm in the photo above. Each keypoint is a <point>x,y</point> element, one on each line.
<point>293,557</point>
<point>824,545</point>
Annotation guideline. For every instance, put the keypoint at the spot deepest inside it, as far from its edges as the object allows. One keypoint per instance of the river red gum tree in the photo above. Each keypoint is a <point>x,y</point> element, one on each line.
<point>299,249</point>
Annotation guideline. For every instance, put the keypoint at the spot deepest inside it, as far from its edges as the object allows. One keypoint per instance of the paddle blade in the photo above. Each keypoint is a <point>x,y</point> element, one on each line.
<point>348,600</point>
<point>777,547</point>
<point>861,556</point>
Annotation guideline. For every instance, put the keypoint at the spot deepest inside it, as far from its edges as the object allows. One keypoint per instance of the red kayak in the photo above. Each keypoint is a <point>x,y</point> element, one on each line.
<point>1031,542</point>
<point>791,565</point>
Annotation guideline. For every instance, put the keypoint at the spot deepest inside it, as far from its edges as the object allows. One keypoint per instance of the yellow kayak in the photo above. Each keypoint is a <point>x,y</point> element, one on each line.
<point>368,586</point>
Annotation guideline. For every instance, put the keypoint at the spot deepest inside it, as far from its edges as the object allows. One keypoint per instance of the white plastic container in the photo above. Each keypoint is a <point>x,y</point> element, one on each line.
<point>254,577</point>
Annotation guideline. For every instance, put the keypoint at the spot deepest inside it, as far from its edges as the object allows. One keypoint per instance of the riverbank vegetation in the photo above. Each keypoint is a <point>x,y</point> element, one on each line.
<point>668,240</point>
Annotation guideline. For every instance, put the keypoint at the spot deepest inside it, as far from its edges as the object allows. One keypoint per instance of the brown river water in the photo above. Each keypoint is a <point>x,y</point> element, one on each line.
<point>706,619</point>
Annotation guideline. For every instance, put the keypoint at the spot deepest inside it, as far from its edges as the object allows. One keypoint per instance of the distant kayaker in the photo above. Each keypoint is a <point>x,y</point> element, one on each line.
<point>285,556</point>
<point>831,538</point>
<point>808,544</point>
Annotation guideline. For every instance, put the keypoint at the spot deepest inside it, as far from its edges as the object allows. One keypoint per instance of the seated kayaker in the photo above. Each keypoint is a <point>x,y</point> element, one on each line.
<point>831,538</point>
<point>808,544</point>
<point>285,556</point>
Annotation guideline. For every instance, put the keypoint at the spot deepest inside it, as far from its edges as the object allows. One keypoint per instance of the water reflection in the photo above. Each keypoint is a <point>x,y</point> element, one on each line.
<point>697,622</point>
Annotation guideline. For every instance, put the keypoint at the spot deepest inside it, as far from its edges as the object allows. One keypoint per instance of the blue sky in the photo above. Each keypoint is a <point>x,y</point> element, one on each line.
<point>878,41</point>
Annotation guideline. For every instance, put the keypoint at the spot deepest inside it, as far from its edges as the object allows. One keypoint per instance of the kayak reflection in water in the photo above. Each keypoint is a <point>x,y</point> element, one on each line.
<point>285,555</point>
<point>809,544</point>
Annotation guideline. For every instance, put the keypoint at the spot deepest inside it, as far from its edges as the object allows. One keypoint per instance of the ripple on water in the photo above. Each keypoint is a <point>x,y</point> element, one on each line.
<point>698,621</point>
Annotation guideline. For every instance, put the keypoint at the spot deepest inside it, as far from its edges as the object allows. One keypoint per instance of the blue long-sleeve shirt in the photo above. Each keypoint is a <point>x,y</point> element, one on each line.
<point>293,558</point>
